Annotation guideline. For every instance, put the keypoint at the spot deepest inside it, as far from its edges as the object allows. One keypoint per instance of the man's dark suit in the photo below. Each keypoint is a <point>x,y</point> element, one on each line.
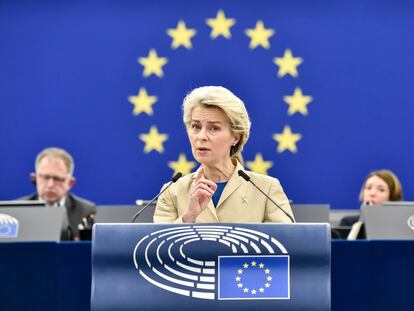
<point>76,208</point>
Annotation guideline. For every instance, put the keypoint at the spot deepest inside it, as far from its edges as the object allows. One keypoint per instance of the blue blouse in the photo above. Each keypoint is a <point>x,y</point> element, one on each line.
<point>217,194</point>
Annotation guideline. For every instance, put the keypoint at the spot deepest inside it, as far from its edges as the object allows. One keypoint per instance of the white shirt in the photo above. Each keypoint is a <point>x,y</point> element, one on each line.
<point>61,202</point>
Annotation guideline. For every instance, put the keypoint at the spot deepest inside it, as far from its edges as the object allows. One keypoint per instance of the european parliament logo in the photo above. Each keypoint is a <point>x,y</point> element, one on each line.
<point>215,262</point>
<point>9,226</point>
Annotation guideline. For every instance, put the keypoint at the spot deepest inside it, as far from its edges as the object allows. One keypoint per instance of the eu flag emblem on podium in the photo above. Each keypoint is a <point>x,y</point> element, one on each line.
<point>254,277</point>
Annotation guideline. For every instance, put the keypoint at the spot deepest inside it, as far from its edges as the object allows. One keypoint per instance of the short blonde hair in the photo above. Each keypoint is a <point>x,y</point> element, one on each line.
<point>394,185</point>
<point>230,104</point>
<point>54,152</point>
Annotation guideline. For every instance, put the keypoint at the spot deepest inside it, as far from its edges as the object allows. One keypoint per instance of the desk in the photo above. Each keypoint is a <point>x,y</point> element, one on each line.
<point>45,276</point>
<point>366,275</point>
<point>372,275</point>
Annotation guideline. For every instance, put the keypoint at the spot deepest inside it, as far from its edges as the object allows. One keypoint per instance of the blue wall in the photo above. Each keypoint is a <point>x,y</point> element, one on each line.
<point>68,67</point>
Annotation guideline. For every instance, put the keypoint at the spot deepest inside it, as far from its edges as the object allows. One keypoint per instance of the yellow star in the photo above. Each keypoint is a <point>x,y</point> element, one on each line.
<point>287,140</point>
<point>239,285</point>
<point>238,278</point>
<point>246,265</point>
<point>220,26</point>
<point>246,290</point>
<point>153,64</point>
<point>182,165</point>
<point>143,102</point>
<point>297,102</point>
<point>287,64</point>
<point>259,165</point>
<point>267,284</point>
<point>253,291</point>
<point>269,278</point>
<point>261,266</point>
<point>181,35</point>
<point>259,35</point>
<point>153,140</point>
<point>253,263</point>
<point>240,271</point>
<point>261,289</point>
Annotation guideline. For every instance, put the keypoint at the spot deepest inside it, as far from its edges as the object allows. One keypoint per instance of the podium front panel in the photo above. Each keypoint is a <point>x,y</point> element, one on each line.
<point>211,267</point>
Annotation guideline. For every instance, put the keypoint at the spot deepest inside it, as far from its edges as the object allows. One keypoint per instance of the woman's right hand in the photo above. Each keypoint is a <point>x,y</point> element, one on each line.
<point>200,196</point>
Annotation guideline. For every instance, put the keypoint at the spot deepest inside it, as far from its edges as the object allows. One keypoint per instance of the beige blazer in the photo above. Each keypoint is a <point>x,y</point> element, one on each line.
<point>240,201</point>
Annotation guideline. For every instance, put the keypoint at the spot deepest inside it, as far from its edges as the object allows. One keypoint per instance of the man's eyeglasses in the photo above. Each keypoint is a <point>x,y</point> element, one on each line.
<point>46,178</point>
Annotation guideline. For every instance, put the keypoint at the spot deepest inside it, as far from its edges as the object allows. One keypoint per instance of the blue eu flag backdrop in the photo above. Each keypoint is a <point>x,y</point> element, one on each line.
<point>326,85</point>
<point>254,277</point>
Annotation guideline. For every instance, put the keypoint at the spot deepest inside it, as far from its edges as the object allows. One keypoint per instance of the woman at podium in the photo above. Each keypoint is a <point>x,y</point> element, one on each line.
<point>221,190</point>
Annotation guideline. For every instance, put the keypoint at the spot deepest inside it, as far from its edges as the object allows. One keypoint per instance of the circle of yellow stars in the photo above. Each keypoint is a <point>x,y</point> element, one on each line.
<point>253,291</point>
<point>259,36</point>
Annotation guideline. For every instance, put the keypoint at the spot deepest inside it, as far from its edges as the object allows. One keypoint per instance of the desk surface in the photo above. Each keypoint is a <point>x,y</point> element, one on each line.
<point>366,275</point>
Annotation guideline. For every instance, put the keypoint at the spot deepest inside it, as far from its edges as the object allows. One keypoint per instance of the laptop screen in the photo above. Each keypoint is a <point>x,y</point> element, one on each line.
<point>31,223</point>
<point>311,213</point>
<point>391,221</point>
<point>124,213</point>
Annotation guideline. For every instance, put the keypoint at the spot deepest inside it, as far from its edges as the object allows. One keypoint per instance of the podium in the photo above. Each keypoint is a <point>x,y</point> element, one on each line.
<point>211,267</point>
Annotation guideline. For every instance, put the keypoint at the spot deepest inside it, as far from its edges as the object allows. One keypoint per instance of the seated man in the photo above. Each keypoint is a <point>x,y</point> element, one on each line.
<point>54,179</point>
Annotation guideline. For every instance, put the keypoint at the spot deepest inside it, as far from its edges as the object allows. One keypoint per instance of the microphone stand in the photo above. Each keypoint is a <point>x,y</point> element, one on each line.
<point>247,178</point>
<point>173,180</point>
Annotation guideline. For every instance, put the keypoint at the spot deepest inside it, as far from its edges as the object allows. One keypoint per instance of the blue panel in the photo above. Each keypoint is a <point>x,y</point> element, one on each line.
<point>366,276</point>
<point>351,279</point>
<point>392,275</point>
<point>28,274</point>
<point>74,276</point>
<point>143,266</point>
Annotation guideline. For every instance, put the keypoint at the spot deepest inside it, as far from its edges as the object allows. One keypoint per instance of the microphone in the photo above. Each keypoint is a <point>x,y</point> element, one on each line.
<point>173,180</point>
<point>247,178</point>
